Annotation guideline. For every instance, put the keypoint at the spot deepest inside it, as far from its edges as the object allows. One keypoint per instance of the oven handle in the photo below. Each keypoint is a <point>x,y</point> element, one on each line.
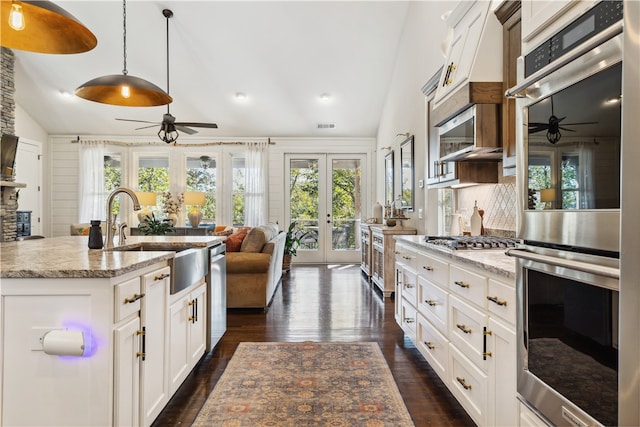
<point>585,267</point>
<point>597,40</point>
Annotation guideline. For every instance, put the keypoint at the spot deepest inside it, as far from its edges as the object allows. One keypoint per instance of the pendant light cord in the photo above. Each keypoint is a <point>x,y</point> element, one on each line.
<point>124,37</point>
<point>168,16</point>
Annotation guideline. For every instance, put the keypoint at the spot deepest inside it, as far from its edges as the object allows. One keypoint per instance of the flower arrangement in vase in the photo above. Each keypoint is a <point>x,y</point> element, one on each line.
<point>171,206</point>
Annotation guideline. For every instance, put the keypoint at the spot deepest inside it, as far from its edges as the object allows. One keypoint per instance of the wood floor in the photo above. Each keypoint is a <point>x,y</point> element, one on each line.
<point>324,303</point>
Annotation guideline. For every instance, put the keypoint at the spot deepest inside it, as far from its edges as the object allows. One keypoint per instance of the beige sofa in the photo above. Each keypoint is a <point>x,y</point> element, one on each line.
<point>253,273</point>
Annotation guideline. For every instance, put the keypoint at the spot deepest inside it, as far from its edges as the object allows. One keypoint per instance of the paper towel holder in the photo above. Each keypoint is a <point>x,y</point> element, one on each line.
<point>63,342</point>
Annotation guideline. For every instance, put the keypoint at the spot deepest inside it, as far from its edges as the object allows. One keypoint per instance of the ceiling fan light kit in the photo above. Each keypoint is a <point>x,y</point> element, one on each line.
<point>43,27</point>
<point>123,89</point>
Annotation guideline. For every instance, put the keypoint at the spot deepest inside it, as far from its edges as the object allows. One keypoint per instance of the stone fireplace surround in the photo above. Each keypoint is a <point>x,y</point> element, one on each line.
<point>9,192</point>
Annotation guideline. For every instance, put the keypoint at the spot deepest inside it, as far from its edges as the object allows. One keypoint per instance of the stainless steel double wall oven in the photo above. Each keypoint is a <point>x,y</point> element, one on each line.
<point>569,157</point>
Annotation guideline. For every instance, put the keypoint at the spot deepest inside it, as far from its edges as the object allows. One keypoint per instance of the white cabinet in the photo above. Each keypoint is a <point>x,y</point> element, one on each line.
<point>187,328</point>
<point>462,320</point>
<point>382,256</point>
<point>126,373</point>
<point>475,51</point>
<point>528,418</point>
<point>155,378</point>
<point>365,245</point>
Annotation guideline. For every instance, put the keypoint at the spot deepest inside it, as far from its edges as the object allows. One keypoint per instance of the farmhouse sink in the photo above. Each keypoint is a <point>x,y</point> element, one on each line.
<point>188,266</point>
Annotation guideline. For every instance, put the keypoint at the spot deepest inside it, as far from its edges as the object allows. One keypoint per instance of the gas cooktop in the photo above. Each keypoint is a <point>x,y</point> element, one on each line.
<point>472,242</point>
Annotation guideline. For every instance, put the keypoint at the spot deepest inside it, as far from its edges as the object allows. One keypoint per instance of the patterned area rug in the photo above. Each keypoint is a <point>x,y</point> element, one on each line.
<point>305,384</point>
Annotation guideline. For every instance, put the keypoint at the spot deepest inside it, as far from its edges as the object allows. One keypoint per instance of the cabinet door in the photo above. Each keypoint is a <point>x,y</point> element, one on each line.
<point>178,342</point>
<point>501,343</point>
<point>538,14</point>
<point>462,51</point>
<point>155,380</point>
<point>126,387</point>
<point>197,325</point>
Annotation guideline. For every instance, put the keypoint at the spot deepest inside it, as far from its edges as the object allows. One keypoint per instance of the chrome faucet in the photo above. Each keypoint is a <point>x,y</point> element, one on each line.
<point>111,223</point>
<point>122,238</point>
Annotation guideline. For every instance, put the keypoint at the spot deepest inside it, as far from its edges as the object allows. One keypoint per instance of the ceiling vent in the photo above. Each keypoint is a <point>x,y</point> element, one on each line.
<point>326,125</point>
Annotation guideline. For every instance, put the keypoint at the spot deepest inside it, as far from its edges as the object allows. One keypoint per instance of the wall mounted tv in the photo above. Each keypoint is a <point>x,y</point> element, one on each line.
<point>8,149</point>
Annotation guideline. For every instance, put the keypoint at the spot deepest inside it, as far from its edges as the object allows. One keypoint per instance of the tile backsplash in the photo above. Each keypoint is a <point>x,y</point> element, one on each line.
<point>498,202</point>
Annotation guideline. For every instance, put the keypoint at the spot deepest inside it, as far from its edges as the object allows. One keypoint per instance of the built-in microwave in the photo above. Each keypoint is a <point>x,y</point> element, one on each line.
<point>472,134</point>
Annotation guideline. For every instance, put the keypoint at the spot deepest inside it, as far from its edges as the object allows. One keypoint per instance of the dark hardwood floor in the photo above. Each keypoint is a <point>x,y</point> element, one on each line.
<point>324,303</point>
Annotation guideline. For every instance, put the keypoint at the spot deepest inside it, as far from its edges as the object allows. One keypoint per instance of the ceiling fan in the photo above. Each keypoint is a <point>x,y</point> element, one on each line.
<point>553,127</point>
<point>168,126</point>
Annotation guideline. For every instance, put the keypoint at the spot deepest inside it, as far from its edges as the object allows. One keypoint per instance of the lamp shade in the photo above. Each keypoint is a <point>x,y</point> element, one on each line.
<point>147,198</point>
<point>47,29</point>
<point>194,198</point>
<point>547,195</point>
<point>109,90</point>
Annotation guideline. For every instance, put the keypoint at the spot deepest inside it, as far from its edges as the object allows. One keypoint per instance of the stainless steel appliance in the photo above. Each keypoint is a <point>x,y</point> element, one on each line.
<point>471,135</point>
<point>471,242</point>
<point>568,159</point>
<point>217,295</point>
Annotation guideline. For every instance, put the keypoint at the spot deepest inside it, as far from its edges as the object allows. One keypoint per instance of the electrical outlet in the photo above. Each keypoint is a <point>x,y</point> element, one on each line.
<point>37,334</point>
<point>420,213</point>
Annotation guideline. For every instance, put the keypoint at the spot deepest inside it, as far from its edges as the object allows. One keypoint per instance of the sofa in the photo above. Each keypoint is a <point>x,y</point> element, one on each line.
<point>254,265</point>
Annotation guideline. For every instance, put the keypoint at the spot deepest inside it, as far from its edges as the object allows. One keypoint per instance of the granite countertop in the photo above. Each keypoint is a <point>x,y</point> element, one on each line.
<point>70,257</point>
<point>493,260</point>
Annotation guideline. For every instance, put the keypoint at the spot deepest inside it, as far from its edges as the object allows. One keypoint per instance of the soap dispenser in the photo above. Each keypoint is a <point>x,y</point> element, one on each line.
<point>476,221</point>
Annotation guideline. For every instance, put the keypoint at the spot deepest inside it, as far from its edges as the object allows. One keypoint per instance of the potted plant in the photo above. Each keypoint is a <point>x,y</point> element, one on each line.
<point>156,227</point>
<point>291,244</point>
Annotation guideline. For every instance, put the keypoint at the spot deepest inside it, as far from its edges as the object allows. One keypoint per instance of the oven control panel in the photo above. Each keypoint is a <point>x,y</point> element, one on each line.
<point>592,22</point>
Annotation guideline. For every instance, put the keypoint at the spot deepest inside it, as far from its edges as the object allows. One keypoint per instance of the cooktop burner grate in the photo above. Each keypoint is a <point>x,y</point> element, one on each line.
<point>472,242</point>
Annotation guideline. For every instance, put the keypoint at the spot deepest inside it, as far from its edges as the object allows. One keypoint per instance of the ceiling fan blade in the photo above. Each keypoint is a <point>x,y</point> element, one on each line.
<point>567,129</point>
<point>185,129</point>
<point>147,127</point>
<point>538,124</point>
<point>198,125</point>
<point>138,121</point>
<point>583,123</point>
<point>538,129</point>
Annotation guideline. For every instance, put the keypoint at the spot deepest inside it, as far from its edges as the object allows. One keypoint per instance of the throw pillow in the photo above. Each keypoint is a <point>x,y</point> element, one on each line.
<point>255,240</point>
<point>234,241</point>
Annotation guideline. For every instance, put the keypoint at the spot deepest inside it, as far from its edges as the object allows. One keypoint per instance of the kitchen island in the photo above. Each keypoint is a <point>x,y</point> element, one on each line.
<point>97,337</point>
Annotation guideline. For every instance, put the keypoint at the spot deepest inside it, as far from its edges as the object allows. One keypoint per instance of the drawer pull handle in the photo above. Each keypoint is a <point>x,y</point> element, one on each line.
<point>431,302</point>
<point>162,276</point>
<point>133,299</point>
<point>430,345</point>
<point>463,383</point>
<point>486,354</point>
<point>409,286</point>
<point>463,328</point>
<point>428,268</point>
<point>462,284</point>
<point>408,320</point>
<point>497,301</point>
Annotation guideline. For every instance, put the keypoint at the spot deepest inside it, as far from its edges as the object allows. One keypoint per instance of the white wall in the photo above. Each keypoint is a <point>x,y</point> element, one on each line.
<point>418,58</point>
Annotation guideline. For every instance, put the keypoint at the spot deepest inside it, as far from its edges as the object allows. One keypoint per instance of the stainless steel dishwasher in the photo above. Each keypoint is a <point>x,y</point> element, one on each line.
<point>217,295</point>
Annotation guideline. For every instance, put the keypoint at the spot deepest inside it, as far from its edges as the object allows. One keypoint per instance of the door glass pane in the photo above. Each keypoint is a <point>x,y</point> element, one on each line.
<point>303,187</point>
<point>202,177</point>
<point>112,178</point>
<point>346,204</point>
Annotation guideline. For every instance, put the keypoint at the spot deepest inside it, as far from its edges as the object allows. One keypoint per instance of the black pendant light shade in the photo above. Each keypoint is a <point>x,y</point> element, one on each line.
<point>123,89</point>
<point>111,90</point>
<point>43,27</point>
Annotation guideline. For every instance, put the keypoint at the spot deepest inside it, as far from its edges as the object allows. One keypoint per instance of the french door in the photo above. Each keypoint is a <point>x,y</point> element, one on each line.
<point>325,200</point>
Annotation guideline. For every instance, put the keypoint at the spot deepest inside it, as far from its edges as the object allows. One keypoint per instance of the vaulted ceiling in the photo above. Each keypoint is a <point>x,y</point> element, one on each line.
<point>282,55</point>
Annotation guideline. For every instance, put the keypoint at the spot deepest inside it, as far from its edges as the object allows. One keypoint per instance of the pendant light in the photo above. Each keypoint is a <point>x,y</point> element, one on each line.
<point>42,27</point>
<point>123,89</point>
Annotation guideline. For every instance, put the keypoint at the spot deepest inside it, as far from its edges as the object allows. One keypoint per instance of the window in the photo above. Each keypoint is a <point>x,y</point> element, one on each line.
<point>202,177</point>
<point>237,191</point>
<point>153,176</point>
<point>570,187</point>
<point>112,177</point>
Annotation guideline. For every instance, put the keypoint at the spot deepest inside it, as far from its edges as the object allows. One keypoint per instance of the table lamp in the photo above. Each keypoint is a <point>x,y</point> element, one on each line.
<point>194,199</point>
<point>547,196</point>
<point>146,199</point>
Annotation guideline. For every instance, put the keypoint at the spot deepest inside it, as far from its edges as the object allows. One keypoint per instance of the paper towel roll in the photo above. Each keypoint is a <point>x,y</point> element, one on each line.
<point>63,343</point>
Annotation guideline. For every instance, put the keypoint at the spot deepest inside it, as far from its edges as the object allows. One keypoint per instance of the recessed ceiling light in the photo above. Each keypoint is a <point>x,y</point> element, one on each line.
<point>241,96</point>
<point>325,97</point>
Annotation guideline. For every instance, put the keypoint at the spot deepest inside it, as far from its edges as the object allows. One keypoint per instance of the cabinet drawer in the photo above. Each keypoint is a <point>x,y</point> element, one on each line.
<point>432,269</point>
<point>502,300</point>
<point>469,385</point>
<point>127,298</point>
<point>466,329</point>
<point>406,256</point>
<point>433,345</point>
<point>409,286</point>
<point>408,318</point>
<point>469,285</point>
<point>433,303</point>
